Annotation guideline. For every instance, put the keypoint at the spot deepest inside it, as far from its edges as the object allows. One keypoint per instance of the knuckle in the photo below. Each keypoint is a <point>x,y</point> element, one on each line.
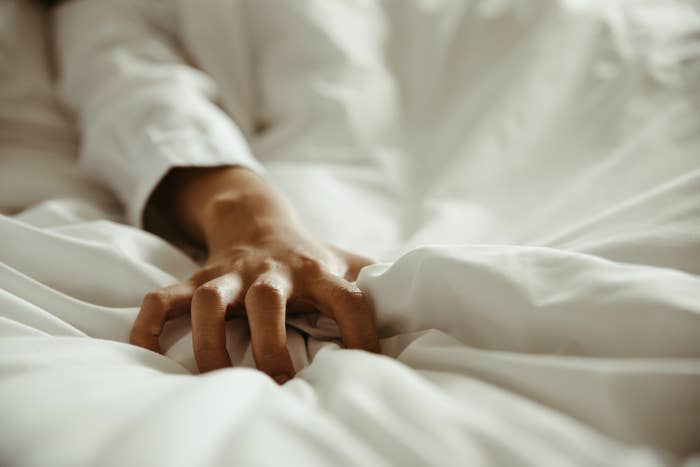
<point>264,293</point>
<point>348,296</point>
<point>155,300</point>
<point>238,264</point>
<point>310,266</point>
<point>206,294</point>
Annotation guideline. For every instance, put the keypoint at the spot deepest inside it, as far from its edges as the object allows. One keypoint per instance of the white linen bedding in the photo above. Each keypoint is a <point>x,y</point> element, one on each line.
<point>548,155</point>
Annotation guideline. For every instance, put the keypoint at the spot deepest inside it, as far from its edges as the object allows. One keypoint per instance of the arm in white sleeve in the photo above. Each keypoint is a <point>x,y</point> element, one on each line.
<point>324,82</point>
<point>142,109</point>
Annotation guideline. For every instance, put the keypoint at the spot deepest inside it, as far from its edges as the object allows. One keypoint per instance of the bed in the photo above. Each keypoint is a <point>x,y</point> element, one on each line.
<point>534,206</point>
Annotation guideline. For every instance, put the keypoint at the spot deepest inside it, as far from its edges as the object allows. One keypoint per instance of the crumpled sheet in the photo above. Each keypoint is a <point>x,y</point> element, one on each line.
<point>538,294</point>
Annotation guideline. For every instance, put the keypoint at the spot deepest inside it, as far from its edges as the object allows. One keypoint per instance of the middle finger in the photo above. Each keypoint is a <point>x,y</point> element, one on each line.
<point>265,304</point>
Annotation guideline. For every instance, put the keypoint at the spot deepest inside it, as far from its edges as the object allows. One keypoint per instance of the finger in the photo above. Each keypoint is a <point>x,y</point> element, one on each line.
<point>265,304</point>
<point>157,308</point>
<point>209,305</point>
<point>346,303</point>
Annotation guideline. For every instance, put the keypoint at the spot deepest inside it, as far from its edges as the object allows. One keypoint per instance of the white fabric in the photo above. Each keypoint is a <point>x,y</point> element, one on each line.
<point>36,140</point>
<point>142,108</point>
<point>550,152</point>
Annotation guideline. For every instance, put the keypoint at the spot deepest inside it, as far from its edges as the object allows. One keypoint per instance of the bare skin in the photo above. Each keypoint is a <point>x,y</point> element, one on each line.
<point>261,263</point>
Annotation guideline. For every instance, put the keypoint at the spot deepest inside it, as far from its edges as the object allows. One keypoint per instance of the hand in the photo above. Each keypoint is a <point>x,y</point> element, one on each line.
<point>262,264</point>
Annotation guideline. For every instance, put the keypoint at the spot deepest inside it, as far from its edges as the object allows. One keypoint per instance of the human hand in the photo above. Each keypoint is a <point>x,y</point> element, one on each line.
<point>261,264</point>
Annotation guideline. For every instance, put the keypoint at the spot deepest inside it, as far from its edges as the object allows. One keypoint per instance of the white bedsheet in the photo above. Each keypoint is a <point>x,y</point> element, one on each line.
<point>550,153</point>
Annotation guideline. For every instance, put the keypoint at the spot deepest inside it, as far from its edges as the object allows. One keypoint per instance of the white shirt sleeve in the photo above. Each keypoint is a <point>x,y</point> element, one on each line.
<point>142,109</point>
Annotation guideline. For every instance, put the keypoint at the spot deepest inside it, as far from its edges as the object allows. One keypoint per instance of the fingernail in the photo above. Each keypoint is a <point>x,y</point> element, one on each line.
<point>281,379</point>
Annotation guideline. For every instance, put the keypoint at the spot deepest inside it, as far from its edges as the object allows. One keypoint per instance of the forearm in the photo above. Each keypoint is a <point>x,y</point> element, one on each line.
<point>143,109</point>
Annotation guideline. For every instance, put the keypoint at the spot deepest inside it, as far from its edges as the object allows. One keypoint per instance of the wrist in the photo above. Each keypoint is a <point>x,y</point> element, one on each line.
<point>224,207</point>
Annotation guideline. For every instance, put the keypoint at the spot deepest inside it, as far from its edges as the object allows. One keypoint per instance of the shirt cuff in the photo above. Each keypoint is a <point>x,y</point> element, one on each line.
<point>180,152</point>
